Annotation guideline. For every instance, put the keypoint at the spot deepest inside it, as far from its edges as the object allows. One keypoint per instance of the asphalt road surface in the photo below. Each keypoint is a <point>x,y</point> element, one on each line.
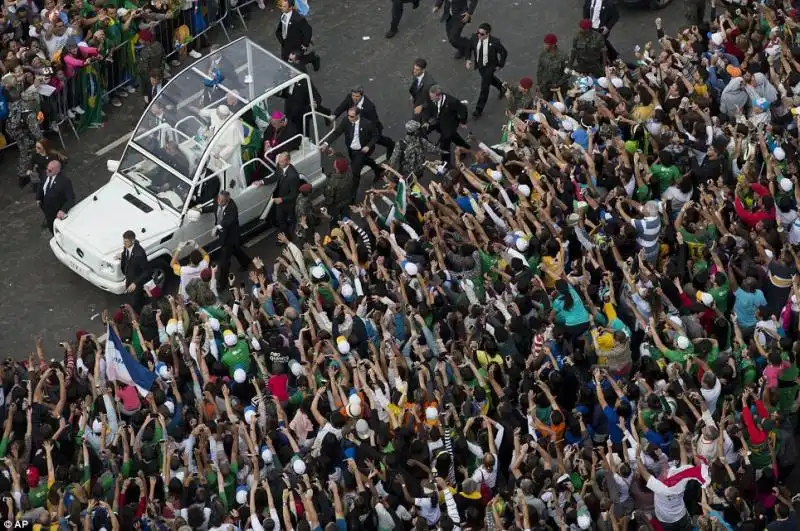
<point>42,298</point>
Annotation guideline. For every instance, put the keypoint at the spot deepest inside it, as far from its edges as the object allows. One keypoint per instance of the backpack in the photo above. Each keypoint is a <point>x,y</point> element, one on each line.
<point>486,492</point>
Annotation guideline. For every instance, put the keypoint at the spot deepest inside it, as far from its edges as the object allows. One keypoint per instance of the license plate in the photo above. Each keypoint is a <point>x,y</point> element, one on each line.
<point>78,268</point>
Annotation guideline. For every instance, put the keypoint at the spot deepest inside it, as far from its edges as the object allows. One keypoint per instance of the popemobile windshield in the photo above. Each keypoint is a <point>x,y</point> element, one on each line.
<point>199,135</point>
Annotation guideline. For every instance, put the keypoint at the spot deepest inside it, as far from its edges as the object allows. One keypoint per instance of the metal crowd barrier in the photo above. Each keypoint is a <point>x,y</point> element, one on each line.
<point>117,73</point>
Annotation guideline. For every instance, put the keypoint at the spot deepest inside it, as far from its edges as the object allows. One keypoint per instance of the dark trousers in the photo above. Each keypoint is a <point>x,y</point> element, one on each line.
<point>285,218</point>
<point>226,252</point>
<point>454,27</point>
<point>397,12</point>
<point>488,80</point>
<point>136,299</point>
<point>446,141</point>
<point>610,50</point>
<point>357,161</point>
<point>387,143</point>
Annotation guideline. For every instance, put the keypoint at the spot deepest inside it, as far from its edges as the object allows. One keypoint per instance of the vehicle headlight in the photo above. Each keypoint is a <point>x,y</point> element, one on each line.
<point>108,267</point>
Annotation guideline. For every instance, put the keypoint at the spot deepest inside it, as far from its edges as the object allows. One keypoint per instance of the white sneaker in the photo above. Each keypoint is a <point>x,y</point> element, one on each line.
<point>175,62</point>
<point>71,114</point>
<point>261,4</point>
<point>116,103</point>
<point>130,89</point>
<point>195,54</point>
<point>123,94</point>
<point>78,109</point>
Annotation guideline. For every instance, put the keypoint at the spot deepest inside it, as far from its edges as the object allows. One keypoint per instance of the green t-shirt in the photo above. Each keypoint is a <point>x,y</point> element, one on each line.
<point>787,389</point>
<point>642,194</point>
<point>678,355</point>
<point>237,356</point>
<point>230,483</point>
<point>666,175</point>
<point>38,495</point>
<point>720,296</point>
<point>697,241</point>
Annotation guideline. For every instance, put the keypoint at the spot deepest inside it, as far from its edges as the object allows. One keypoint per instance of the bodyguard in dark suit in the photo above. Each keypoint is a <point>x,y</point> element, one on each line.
<point>357,98</point>
<point>298,102</point>
<point>226,230</point>
<point>294,33</point>
<point>420,86</point>
<point>445,114</point>
<point>487,55</point>
<point>397,14</point>
<point>608,17</point>
<point>136,268</point>
<point>360,135</point>
<point>456,14</point>
<point>55,195</point>
<point>285,195</point>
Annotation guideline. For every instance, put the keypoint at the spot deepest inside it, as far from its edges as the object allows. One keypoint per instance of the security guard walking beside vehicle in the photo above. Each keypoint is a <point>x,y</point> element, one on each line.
<point>589,55</point>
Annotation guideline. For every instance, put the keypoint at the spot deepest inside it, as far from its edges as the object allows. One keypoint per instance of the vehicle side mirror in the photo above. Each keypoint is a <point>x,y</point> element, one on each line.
<point>112,165</point>
<point>193,215</point>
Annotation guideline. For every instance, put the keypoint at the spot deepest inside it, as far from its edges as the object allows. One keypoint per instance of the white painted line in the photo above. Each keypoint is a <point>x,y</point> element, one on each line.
<point>261,237</point>
<point>113,145</point>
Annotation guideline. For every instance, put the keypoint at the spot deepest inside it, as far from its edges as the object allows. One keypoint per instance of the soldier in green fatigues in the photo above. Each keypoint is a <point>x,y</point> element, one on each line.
<point>409,153</point>
<point>550,70</point>
<point>339,190</point>
<point>22,126</point>
<point>588,51</point>
<point>694,11</point>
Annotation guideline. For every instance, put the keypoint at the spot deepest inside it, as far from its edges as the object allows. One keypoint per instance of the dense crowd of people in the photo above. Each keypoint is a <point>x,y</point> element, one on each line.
<point>593,325</point>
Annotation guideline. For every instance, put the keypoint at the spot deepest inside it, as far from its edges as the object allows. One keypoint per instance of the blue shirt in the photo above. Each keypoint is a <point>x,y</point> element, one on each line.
<point>663,442</point>
<point>746,305</point>
<point>614,433</point>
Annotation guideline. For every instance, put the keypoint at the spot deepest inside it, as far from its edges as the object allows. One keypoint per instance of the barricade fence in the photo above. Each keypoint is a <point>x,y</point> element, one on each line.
<point>75,97</point>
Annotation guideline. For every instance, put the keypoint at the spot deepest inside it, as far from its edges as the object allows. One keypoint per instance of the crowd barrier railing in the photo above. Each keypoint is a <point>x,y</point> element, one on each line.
<point>116,74</point>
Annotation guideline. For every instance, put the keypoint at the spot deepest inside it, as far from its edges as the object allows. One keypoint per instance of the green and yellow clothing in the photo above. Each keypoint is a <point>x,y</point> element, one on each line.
<point>679,356</point>
<point>665,175</point>
<point>698,241</point>
<point>237,356</point>
<point>720,296</point>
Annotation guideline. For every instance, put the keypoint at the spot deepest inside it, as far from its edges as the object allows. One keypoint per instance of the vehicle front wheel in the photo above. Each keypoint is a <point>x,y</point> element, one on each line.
<point>162,274</point>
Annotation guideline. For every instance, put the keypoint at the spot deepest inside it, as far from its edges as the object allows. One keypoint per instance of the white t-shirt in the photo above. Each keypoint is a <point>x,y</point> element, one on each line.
<point>669,508</point>
<point>430,512</point>
<point>55,43</point>
<point>189,273</point>
<point>624,487</point>
<point>711,396</point>
<point>481,475</point>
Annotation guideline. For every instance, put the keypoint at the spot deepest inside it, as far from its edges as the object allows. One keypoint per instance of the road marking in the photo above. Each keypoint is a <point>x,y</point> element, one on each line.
<point>272,230</point>
<point>113,145</point>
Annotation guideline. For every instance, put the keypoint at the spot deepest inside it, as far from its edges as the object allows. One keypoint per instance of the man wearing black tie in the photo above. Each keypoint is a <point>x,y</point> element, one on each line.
<point>487,55</point>
<point>134,265</point>
<point>294,33</point>
<point>55,196</point>
<point>456,14</point>
<point>357,98</point>
<point>420,86</point>
<point>156,84</point>
<point>360,135</point>
<point>285,196</point>
<point>604,15</point>
<point>445,114</point>
<point>226,230</point>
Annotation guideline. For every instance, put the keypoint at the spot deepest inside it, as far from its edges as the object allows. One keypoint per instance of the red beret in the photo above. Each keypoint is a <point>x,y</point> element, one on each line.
<point>80,333</point>
<point>340,165</point>
<point>119,316</point>
<point>145,35</point>
<point>585,24</point>
<point>550,39</point>
<point>205,274</point>
<point>526,83</point>
<point>305,188</point>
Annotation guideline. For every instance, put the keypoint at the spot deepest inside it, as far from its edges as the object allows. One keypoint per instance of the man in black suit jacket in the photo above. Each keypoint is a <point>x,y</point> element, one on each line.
<point>607,17</point>
<point>360,135</point>
<point>456,14</point>
<point>397,14</point>
<point>357,98</point>
<point>226,230</point>
<point>294,34</point>
<point>55,195</point>
<point>136,268</point>
<point>285,196</point>
<point>487,55</point>
<point>420,86</point>
<point>298,102</point>
<point>445,114</point>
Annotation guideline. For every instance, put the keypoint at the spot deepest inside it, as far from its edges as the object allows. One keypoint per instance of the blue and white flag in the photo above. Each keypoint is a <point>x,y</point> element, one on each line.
<point>122,367</point>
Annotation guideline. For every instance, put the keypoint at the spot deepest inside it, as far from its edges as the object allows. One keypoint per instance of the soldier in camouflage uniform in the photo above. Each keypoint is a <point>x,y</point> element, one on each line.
<point>306,216</point>
<point>340,190</point>
<point>588,51</point>
<point>521,96</point>
<point>409,153</point>
<point>550,71</point>
<point>22,126</point>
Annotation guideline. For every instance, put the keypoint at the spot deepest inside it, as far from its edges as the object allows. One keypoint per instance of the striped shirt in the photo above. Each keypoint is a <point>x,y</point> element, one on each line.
<point>648,230</point>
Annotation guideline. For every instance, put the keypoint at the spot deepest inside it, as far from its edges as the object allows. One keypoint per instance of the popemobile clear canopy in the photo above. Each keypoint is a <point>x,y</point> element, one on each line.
<point>185,116</point>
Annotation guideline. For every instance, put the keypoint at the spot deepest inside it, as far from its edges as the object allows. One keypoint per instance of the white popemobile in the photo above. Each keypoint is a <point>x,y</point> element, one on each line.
<point>188,146</point>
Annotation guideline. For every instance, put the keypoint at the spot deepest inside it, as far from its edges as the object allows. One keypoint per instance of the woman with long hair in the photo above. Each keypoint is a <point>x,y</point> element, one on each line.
<point>42,155</point>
